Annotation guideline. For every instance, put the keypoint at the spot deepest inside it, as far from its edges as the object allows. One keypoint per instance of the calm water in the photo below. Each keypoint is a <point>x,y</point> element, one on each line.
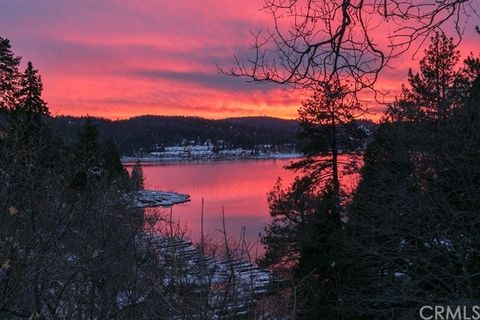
<point>241,187</point>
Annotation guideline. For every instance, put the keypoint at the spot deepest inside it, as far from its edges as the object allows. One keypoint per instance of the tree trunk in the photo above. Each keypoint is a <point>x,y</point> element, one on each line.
<point>335,177</point>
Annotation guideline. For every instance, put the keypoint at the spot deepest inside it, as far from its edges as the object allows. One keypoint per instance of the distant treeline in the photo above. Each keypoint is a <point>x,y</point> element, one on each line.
<point>144,132</point>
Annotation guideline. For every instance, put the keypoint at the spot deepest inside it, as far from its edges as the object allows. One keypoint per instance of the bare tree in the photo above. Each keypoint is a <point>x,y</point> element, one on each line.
<point>348,41</point>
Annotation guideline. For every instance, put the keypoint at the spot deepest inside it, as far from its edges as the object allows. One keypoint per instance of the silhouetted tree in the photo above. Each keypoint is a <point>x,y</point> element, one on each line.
<point>408,236</point>
<point>328,123</point>
<point>412,234</point>
<point>319,41</point>
<point>439,88</point>
<point>307,216</point>
<point>383,218</point>
<point>29,96</point>
<point>113,165</point>
<point>9,75</point>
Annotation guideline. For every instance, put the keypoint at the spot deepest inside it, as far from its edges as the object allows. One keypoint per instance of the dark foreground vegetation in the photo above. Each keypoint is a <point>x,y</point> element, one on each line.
<point>72,247</point>
<point>409,235</point>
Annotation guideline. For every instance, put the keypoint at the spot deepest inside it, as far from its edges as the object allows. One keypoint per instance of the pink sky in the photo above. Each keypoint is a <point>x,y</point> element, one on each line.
<point>122,58</point>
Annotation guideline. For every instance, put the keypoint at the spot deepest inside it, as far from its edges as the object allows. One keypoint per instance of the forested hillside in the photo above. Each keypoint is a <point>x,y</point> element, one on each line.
<point>146,131</point>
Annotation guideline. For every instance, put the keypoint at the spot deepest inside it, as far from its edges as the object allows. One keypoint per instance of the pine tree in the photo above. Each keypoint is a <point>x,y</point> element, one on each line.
<point>328,122</point>
<point>307,216</point>
<point>383,217</point>
<point>9,75</point>
<point>326,119</point>
<point>435,91</point>
<point>29,99</point>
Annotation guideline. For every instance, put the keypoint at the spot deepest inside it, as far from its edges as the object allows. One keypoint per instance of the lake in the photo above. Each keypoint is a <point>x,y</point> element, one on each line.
<point>241,187</point>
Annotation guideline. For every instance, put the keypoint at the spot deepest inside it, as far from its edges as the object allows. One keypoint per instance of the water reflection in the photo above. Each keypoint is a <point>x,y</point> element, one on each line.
<point>241,187</point>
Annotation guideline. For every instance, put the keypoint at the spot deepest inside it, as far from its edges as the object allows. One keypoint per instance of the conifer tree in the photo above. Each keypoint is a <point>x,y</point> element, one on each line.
<point>64,253</point>
<point>307,216</point>
<point>327,119</point>
<point>30,93</point>
<point>9,75</point>
<point>436,90</point>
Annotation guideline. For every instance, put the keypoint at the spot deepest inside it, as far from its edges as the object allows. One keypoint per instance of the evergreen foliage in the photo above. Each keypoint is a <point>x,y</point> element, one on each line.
<point>303,236</point>
<point>439,88</point>
<point>9,75</point>
<point>328,123</point>
<point>29,100</point>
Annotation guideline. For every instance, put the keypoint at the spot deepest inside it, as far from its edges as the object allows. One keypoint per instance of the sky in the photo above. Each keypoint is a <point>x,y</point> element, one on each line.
<point>123,58</point>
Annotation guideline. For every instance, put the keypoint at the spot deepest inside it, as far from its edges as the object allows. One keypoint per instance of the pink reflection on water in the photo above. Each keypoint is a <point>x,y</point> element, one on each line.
<point>241,187</point>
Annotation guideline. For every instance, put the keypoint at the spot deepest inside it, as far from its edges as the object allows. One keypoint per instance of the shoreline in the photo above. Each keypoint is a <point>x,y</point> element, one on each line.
<point>153,159</point>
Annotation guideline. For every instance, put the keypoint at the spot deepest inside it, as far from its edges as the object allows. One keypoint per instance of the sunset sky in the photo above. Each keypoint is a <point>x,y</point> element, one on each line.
<point>122,58</point>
